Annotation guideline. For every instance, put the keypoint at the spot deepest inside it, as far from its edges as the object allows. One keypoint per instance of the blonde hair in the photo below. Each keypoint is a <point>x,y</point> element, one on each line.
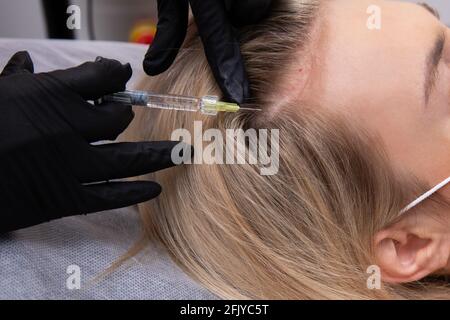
<point>304,233</point>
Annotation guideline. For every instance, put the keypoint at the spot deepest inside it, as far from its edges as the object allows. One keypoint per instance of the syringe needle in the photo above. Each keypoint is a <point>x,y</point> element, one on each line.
<point>249,109</point>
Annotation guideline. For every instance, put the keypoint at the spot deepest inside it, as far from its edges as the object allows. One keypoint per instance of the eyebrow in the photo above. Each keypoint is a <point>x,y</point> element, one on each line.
<point>435,55</point>
<point>430,9</point>
<point>432,64</point>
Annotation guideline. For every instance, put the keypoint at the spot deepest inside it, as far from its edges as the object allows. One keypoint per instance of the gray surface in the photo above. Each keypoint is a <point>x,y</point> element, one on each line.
<point>34,261</point>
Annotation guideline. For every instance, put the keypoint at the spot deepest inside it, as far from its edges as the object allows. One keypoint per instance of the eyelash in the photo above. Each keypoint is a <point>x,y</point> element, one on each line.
<point>446,52</point>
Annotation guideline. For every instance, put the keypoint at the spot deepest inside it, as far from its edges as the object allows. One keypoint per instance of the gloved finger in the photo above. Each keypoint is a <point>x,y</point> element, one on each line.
<point>171,31</point>
<point>124,160</point>
<point>106,121</point>
<point>20,62</point>
<point>247,12</point>
<point>115,195</point>
<point>93,80</point>
<point>221,48</point>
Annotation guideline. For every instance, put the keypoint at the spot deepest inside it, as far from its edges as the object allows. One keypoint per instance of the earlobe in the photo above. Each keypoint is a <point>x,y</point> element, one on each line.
<point>405,257</point>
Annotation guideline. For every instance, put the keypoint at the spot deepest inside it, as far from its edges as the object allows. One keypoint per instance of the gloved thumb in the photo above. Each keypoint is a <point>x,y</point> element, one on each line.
<point>20,62</point>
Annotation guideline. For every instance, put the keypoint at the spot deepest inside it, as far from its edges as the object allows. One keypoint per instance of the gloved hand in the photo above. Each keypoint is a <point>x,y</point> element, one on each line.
<point>215,20</point>
<point>48,168</point>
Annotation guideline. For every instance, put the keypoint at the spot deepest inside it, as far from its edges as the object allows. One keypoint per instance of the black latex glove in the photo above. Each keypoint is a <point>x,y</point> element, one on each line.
<point>47,164</point>
<point>215,20</point>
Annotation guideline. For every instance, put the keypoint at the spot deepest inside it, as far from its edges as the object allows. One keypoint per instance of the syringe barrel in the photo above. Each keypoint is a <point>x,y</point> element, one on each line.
<point>158,101</point>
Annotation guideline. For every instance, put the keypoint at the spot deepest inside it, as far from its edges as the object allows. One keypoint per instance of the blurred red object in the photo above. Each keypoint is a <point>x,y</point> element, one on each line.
<point>143,32</point>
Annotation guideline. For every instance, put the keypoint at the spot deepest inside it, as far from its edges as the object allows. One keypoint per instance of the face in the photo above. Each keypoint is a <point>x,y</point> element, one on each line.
<point>395,81</point>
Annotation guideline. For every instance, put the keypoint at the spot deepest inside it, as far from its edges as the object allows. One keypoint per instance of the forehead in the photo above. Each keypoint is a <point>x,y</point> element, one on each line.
<point>358,17</point>
<point>370,62</point>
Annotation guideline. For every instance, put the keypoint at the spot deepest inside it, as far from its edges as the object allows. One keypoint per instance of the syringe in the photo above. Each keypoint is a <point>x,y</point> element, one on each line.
<point>209,105</point>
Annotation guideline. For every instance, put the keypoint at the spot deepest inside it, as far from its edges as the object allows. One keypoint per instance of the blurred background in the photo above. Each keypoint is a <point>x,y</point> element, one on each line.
<point>114,20</point>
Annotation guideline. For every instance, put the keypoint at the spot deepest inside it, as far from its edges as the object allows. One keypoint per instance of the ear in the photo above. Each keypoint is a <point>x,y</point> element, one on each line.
<point>408,254</point>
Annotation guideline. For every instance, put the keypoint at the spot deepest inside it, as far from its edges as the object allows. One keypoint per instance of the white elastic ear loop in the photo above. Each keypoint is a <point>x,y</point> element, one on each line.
<point>426,195</point>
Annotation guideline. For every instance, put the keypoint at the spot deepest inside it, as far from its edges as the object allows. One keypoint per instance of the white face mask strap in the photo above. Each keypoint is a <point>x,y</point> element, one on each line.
<point>426,195</point>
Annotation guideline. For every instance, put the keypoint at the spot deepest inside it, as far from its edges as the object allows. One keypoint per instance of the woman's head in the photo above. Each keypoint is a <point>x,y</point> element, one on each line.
<point>386,64</point>
<point>312,229</point>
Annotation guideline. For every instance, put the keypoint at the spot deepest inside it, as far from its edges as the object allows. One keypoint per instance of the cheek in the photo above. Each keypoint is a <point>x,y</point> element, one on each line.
<point>400,130</point>
<point>417,150</point>
<point>415,141</point>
